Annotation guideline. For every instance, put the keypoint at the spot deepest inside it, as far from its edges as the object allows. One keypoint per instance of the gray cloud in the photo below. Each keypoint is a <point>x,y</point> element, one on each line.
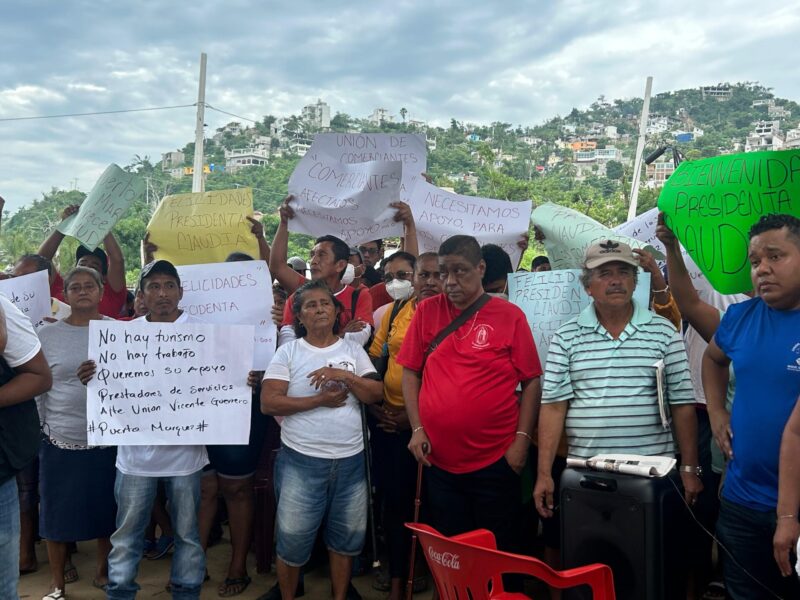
<point>518,62</point>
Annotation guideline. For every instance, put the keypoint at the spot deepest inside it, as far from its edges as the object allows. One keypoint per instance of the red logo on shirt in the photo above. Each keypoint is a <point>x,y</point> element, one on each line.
<point>481,339</point>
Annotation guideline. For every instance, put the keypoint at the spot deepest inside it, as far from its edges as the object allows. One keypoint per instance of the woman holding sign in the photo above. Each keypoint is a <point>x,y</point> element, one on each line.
<point>76,480</point>
<point>316,382</point>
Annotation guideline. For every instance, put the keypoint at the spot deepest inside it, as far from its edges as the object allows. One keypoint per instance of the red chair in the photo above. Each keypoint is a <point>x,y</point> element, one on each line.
<point>469,566</point>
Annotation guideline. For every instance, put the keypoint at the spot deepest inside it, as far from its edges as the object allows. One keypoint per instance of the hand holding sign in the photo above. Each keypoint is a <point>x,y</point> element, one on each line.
<point>440,214</point>
<point>711,204</point>
<point>203,227</point>
<point>351,201</point>
<point>108,201</point>
<point>566,234</point>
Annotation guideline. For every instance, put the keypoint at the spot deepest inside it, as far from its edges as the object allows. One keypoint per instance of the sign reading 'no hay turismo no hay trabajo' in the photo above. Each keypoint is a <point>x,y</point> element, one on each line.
<point>711,205</point>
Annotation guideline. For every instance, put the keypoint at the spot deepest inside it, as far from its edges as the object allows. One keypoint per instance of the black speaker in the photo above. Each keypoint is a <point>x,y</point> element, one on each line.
<point>633,524</point>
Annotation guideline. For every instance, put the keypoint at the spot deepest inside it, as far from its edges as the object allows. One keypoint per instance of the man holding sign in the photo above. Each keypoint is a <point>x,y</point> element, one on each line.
<point>329,261</point>
<point>139,469</point>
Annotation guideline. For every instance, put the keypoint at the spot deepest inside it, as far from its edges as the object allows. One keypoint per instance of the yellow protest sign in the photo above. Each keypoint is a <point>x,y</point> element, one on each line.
<point>203,227</point>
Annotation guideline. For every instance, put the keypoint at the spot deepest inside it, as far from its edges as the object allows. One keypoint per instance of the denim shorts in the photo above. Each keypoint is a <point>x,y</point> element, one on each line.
<point>314,492</point>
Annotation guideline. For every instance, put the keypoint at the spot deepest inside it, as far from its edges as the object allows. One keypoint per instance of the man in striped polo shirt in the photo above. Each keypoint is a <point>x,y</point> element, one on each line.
<point>600,378</point>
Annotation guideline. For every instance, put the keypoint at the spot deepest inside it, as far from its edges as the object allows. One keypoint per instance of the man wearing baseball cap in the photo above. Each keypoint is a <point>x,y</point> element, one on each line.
<point>600,379</point>
<point>139,469</point>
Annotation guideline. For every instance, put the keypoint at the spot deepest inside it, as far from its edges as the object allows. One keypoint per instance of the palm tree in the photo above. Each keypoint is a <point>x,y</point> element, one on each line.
<point>403,113</point>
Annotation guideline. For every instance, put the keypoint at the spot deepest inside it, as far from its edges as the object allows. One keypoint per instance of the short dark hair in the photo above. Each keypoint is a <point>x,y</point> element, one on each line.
<point>238,257</point>
<point>778,221</point>
<point>42,262</point>
<point>498,263</point>
<point>539,261</point>
<point>297,305</point>
<point>401,255</point>
<point>465,246</point>
<point>341,251</point>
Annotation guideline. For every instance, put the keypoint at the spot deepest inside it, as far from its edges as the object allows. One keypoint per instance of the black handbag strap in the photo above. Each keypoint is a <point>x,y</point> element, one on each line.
<point>398,306</point>
<point>455,324</point>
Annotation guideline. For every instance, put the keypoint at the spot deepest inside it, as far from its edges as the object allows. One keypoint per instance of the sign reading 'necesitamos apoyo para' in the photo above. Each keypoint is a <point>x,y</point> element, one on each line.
<point>169,384</point>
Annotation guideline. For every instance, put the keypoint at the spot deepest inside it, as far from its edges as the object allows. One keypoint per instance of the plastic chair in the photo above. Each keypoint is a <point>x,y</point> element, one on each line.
<point>469,567</point>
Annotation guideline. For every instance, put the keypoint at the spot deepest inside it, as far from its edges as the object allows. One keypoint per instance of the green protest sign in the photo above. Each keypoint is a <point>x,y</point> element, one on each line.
<point>104,206</point>
<point>567,233</point>
<point>711,204</point>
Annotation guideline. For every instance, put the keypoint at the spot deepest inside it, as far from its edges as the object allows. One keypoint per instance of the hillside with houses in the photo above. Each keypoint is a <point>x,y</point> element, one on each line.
<point>583,159</point>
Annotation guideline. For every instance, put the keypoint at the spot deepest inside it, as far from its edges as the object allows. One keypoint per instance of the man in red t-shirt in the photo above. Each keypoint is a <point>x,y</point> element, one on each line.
<point>329,259</point>
<point>111,266</point>
<point>463,406</point>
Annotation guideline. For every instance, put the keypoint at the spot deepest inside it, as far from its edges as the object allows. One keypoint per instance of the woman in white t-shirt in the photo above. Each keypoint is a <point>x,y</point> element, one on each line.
<point>317,382</point>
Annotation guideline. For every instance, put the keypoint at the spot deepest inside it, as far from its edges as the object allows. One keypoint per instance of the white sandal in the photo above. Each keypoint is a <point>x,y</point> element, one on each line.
<point>56,594</point>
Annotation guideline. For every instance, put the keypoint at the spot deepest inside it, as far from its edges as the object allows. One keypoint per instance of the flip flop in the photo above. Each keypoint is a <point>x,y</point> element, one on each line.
<point>70,573</point>
<point>98,585</point>
<point>238,583</point>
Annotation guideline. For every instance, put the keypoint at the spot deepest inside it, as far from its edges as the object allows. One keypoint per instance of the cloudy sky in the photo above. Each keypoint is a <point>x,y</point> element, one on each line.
<point>512,61</point>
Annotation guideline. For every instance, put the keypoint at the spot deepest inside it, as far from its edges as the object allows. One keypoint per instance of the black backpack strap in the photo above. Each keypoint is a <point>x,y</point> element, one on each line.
<point>455,324</point>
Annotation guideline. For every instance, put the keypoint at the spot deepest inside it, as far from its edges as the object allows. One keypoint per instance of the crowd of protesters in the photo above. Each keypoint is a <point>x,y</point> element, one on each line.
<point>414,358</point>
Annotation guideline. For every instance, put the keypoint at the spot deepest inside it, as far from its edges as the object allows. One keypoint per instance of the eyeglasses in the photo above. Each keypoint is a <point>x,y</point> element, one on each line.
<point>368,251</point>
<point>404,275</point>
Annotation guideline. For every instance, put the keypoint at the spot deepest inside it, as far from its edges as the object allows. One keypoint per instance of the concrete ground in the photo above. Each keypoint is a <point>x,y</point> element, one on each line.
<point>153,576</point>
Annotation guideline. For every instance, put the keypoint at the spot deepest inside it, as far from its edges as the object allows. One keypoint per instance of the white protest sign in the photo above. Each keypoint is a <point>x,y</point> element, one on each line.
<point>30,294</point>
<point>233,293</point>
<point>551,298</point>
<point>348,148</point>
<point>440,214</point>
<point>567,234</point>
<point>643,228</point>
<point>169,384</point>
<point>350,201</point>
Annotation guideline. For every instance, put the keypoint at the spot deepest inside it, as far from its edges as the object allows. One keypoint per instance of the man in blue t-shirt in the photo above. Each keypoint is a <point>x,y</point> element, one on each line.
<point>762,338</point>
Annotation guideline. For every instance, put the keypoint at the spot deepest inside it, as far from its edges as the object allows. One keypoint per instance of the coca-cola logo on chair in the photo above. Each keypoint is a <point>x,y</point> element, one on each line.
<point>446,559</point>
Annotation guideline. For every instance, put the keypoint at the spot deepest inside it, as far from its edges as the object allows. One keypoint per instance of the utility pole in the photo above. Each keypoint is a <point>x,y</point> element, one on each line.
<point>637,163</point>
<point>198,182</point>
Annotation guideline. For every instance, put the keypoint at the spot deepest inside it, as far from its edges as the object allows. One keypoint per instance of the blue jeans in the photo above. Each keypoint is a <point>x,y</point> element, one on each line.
<point>312,491</point>
<point>9,540</point>
<point>135,496</point>
<point>747,534</point>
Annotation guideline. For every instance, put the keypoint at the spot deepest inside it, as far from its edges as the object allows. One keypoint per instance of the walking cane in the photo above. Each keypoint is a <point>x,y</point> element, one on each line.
<point>413,557</point>
<point>376,563</point>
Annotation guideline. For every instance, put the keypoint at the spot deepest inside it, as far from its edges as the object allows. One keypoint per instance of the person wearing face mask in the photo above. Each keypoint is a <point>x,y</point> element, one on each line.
<point>498,266</point>
<point>354,273</point>
<point>409,281</point>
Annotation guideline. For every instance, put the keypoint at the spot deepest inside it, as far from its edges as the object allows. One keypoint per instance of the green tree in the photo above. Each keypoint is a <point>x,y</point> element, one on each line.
<point>614,169</point>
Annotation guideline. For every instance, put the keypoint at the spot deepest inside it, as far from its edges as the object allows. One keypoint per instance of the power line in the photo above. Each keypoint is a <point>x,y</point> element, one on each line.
<point>103,112</point>
<point>225,112</point>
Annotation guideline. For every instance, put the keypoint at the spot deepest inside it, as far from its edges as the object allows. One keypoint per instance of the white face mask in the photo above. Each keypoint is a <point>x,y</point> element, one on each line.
<point>349,274</point>
<point>399,289</point>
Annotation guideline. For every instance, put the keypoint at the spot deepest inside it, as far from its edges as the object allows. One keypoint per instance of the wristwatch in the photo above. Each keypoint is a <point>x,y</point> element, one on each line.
<point>690,469</point>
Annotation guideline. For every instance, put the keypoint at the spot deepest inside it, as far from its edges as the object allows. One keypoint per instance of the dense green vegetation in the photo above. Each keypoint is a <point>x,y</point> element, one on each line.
<point>506,166</point>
